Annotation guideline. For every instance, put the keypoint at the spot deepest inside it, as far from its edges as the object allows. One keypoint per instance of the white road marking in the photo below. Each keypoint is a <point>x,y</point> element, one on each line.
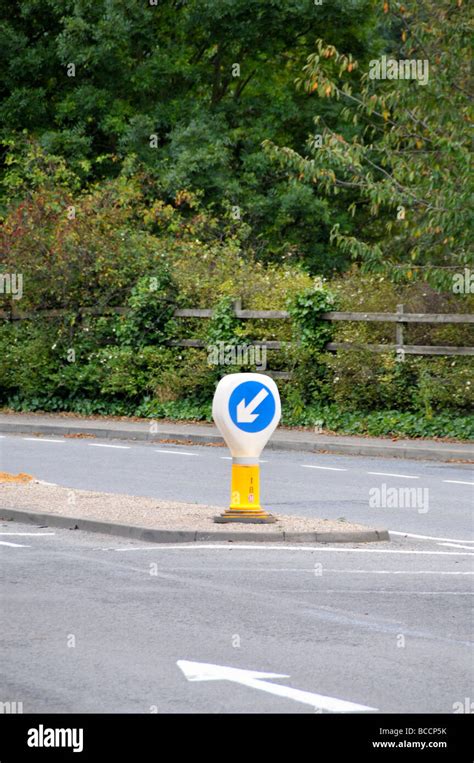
<point>41,439</point>
<point>399,572</point>
<point>456,545</point>
<point>259,547</point>
<point>348,571</point>
<point>176,452</point>
<point>429,537</point>
<point>34,534</point>
<point>202,671</point>
<point>384,591</point>
<point>327,468</point>
<point>102,445</point>
<point>16,545</point>
<point>390,474</point>
<point>458,482</point>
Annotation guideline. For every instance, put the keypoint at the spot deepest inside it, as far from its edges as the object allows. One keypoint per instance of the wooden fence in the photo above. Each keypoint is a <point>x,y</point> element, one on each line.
<point>400,319</point>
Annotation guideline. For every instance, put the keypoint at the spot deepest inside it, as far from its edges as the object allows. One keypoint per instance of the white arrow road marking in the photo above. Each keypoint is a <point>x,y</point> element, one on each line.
<point>245,413</point>
<point>202,671</point>
<point>16,545</point>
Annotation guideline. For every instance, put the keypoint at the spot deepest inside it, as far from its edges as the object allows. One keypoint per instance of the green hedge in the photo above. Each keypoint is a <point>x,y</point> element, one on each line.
<point>124,247</point>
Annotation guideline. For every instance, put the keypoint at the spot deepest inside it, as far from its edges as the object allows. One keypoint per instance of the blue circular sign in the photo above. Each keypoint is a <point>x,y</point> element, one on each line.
<point>251,406</point>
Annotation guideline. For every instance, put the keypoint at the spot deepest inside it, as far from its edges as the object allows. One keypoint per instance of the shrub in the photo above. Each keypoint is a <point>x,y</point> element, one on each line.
<point>305,310</point>
<point>152,303</point>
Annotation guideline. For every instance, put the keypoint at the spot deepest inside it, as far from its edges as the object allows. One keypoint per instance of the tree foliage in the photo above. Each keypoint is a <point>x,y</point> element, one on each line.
<point>190,89</point>
<point>408,162</point>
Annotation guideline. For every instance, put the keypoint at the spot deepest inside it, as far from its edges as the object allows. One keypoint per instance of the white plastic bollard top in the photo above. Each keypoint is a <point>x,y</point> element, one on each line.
<point>246,409</point>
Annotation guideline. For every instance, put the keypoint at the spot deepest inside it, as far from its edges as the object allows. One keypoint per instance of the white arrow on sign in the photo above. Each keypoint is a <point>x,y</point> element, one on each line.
<point>245,413</point>
<point>203,671</point>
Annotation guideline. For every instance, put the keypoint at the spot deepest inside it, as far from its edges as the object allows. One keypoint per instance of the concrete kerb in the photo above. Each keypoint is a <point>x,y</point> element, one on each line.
<point>380,449</point>
<point>151,535</point>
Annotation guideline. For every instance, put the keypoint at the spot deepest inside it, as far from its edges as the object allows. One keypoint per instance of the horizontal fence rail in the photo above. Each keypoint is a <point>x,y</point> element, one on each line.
<point>340,316</point>
<point>400,319</point>
<point>408,349</point>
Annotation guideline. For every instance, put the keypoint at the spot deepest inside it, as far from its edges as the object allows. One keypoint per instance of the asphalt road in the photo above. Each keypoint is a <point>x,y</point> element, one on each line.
<point>98,624</point>
<point>440,503</point>
<point>93,623</point>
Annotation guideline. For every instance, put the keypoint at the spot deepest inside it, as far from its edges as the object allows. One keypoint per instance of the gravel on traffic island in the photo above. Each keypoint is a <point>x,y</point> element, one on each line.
<point>161,521</point>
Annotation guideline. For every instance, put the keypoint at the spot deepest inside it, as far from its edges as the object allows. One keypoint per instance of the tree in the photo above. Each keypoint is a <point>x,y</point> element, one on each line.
<point>408,162</point>
<point>191,89</point>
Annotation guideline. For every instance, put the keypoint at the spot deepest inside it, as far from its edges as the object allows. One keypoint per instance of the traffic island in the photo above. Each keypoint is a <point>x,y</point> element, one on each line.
<point>154,520</point>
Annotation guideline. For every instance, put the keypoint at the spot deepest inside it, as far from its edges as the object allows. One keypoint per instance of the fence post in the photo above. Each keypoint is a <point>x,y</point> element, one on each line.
<point>237,303</point>
<point>399,335</point>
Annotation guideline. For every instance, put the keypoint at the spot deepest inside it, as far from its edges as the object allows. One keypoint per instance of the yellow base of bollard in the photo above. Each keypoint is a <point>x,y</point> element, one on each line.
<point>245,497</point>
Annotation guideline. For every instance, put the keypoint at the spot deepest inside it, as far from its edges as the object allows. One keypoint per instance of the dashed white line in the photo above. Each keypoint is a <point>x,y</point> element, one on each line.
<point>102,445</point>
<point>40,439</point>
<point>176,452</point>
<point>34,534</point>
<point>15,545</point>
<point>458,482</point>
<point>390,474</point>
<point>327,468</point>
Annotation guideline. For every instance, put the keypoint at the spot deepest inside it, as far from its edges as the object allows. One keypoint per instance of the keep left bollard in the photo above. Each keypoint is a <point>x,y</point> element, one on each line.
<point>246,409</point>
